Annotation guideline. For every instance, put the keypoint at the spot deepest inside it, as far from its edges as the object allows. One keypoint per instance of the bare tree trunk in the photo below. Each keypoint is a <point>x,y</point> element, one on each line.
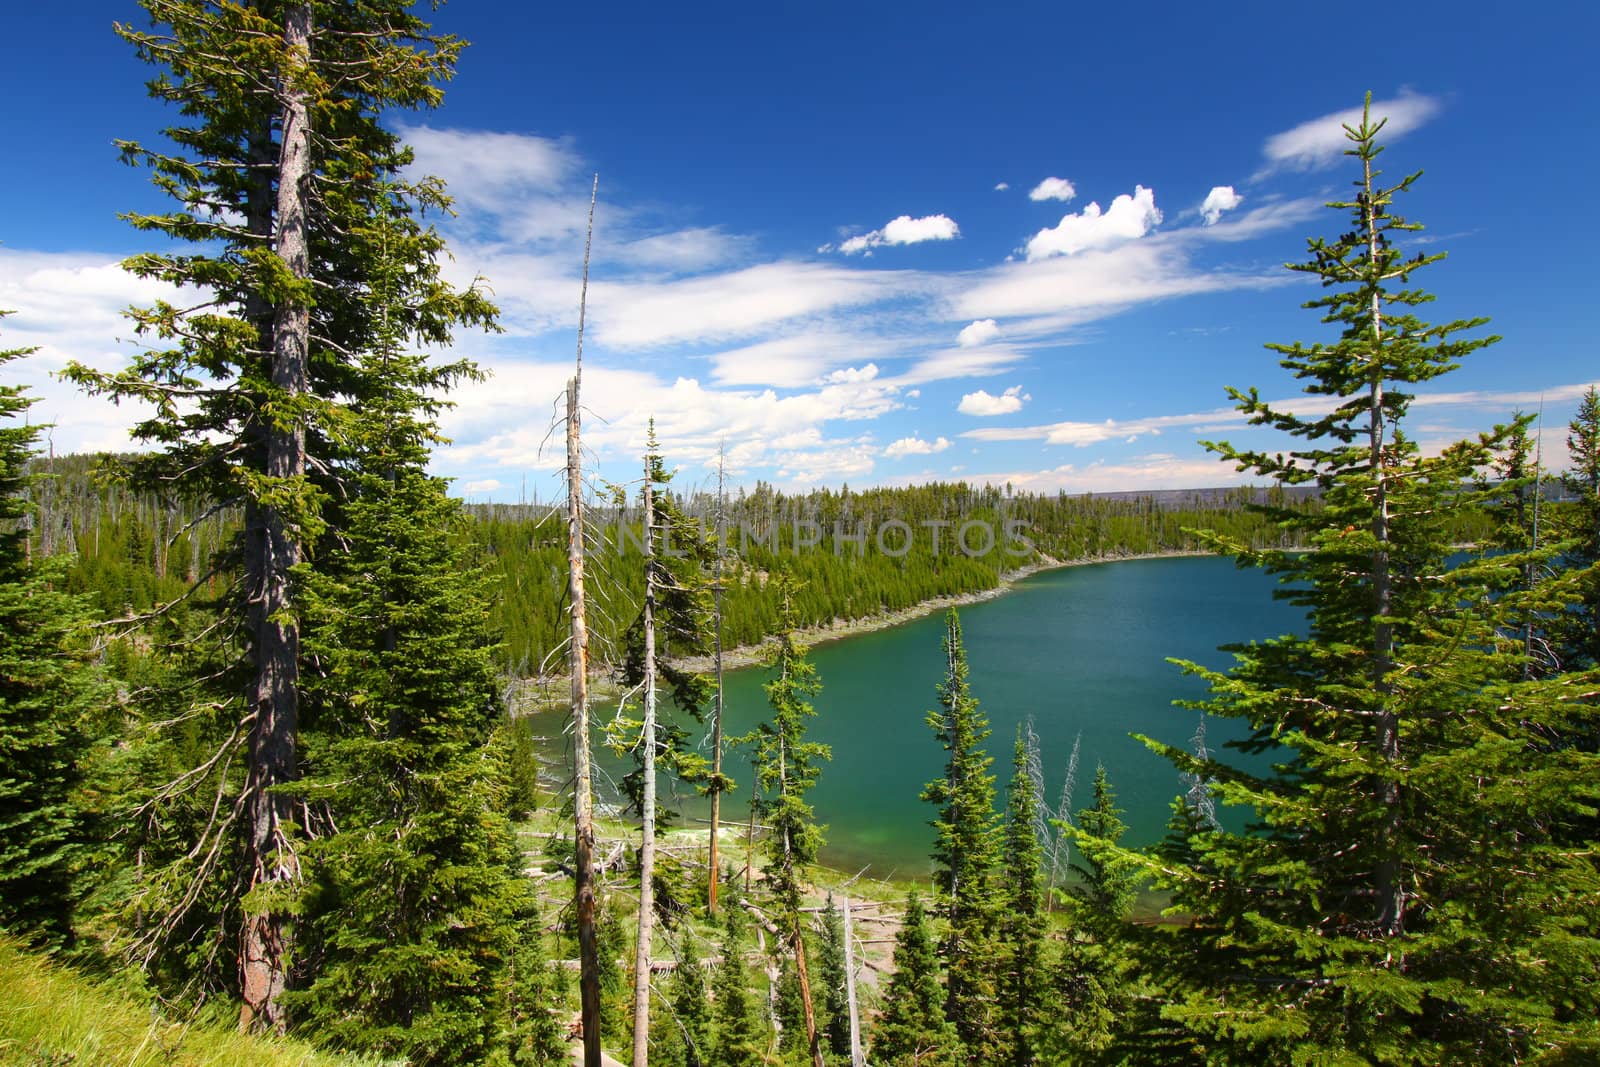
<point>716,714</point>
<point>271,863</point>
<point>647,806</point>
<point>797,943</point>
<point>583,800</point>
<point>856,1057</point>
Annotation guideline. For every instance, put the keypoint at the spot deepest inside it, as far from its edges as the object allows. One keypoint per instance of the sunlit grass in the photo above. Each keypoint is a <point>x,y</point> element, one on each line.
<point>51,1016</point>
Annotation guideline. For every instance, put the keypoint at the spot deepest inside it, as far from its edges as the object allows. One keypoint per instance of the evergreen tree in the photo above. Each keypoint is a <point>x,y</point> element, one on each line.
<point>1578,629</point>
<point>834,1018</point>
<point>965,855</point>
<point>1108,879</point>
<point>45,689</point>
<point>1400,900</point>
<point>786,767</point>
<point>1022,1006</point>
<point>681,1034</point>
<point>737,1038</point>
<point>279,160</point>
<point>912,1029</point>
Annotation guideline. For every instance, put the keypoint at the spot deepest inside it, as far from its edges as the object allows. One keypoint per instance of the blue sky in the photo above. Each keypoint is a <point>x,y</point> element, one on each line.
<point>883,243</point>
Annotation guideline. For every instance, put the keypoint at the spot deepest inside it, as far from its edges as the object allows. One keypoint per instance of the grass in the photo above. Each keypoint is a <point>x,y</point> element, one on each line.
<point>52,1016</point>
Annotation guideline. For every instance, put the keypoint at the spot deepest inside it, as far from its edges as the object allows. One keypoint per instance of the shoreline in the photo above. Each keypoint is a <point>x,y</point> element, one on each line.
<point>746,656</point>
<point>743,657</point>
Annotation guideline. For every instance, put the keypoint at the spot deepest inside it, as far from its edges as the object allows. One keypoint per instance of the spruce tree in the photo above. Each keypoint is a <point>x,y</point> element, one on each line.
<point>277,163</point>
<point>786,767</point>
<point>834,1018</point>
<point>1022,1006</point>
<point>45,688</point>
<point>1404,898</point>
<point>737,1030</point>
<point>1578,628</point>
<point>912,1029</point>
<point>965,855</point>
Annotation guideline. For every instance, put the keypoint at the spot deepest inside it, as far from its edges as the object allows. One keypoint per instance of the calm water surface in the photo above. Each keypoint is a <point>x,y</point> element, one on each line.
<point>1082,650</point>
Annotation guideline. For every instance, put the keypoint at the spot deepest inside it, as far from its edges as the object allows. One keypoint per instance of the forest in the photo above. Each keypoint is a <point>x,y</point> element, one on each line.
<point>265,795</point>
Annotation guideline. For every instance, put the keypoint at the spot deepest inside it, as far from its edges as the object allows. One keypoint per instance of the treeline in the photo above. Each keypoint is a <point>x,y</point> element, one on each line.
<point>855,554</point>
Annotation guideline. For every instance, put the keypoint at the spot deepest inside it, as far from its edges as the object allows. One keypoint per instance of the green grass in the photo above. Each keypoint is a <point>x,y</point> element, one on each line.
<point>52,1016</point>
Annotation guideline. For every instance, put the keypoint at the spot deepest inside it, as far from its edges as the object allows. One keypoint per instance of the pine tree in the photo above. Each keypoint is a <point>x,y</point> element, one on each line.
<point>786,767</point>
<point>1400,900</point>
<point>681,1034</point>
<point>280,160</point>
<point>1021,1004</point>
<point>1578,630</point>
<point>834,1019</point>
<point>737,1031</point>
<point>46,686</point>
<point>1108,881</point>
<point>912,1029</point>
<point>965,855</point>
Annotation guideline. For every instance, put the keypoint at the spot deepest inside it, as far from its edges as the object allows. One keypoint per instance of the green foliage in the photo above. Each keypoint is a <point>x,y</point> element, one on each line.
<point>46,689</point>
<point>912,1029</point>
<point>833,1017</point>
<point>1408,894</point>
<point>965,855</point>
<point>737,1039</point>
<point>681,1035</point>
<point>1108,879</point>
<point>1021,1003</point>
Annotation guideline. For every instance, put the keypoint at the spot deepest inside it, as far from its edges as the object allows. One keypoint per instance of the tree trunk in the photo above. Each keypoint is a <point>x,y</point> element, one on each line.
<point>647,806</point>
<point>856,1057</point>
<point>797,943</point>
<point>1390,891</point>
<point>716,714</point>
<point>583,800</point>
<point>272,865</point>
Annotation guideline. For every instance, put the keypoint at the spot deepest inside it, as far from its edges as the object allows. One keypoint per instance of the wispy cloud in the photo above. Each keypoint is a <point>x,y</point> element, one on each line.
<point>1321,141</point>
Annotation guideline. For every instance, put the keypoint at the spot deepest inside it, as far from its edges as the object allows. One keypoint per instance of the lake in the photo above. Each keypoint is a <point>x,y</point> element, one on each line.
<point>1081,650</point>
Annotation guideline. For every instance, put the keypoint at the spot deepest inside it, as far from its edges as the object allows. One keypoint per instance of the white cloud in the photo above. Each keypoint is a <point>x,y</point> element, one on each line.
<point>983,405</point>
<point>740,303</point>
<point>915,446</point>
<point>1053,189</point>
<point>694,249</point>
<point>959,363</point>
<point>1128,218</point>
<point>1220,199</point>
<point>1322,141</point>
<point>796,361</point>
<point>1001,187</point>
<point>481,487</point>
<point>976,333</point>
<point>904,230</point>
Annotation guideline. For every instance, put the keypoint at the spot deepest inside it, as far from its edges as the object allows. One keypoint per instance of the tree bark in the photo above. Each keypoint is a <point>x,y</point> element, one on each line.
<point>647,806</point>
<point>716,715</point>
<point>271,863</point>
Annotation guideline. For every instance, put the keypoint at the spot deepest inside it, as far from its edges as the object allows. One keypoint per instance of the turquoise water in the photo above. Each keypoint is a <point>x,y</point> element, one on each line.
<point>1082,650</point>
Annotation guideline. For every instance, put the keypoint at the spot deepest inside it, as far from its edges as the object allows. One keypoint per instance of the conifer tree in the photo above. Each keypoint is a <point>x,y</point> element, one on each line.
<point>45,688</point>
<point>737,1030</point>
<point>912,1029</point>
<point>834,1018</point>
<point>1578,633</point>
<point>965,855</point>
<point>278,161</point>
<point>786,767</point>
<point>1021,929</point>
<point>1401,900</point>
<point>681,1034</point>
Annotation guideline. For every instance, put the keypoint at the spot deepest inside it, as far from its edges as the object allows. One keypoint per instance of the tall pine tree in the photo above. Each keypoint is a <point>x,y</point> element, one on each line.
<point>277,162</point>
<point>965,853</point>
<point>1404,898</point>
